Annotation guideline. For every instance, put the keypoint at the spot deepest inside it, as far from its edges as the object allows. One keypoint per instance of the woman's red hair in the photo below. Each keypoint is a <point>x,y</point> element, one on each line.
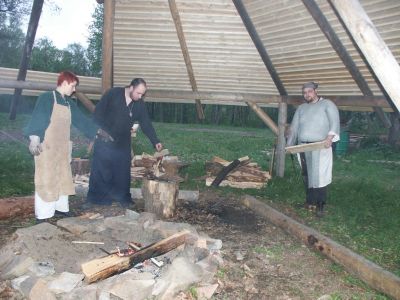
<point>68,77</point>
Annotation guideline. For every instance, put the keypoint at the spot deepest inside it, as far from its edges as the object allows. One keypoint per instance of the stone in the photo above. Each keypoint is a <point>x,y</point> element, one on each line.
<point>40,291</point>
<point>65,282</point>
<point>132,214</point>
<point>179,276</point>
<point>325,297</point>
<point>87,292</point>
<point>24,284</point>
<point>206,292</point>
<point>42,269</point>
<point>214,244</point>
<point>74,225</point>
<point>132,289</point>
<point>147,219</point>
<point>17,267</point>
<point>166,229</point>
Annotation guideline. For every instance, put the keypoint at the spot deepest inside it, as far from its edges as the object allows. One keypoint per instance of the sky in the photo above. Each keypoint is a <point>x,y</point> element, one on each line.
<point>67,25</point>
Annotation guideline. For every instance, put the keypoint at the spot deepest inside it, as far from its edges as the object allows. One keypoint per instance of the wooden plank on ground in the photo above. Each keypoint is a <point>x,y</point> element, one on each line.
<point>105,267</point>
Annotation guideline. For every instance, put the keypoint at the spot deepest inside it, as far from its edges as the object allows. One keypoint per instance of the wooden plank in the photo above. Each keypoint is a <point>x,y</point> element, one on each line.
<point>305,147</point>
<point>372,46</point>
<point>105,267</point>
<point>374,275</point>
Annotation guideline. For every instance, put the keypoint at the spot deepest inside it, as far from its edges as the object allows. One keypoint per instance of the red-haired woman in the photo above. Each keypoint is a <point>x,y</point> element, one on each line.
<point>49,134</point>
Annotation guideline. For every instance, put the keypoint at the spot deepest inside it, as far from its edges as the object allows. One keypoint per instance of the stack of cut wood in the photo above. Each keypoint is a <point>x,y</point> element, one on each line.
<point>245,174</point>
<point>160,165</point>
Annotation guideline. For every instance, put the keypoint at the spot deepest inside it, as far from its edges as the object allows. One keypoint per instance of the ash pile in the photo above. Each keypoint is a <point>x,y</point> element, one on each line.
<point>132,256</point>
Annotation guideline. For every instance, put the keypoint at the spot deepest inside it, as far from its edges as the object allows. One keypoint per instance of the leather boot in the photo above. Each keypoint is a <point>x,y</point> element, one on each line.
<point>320,210</point>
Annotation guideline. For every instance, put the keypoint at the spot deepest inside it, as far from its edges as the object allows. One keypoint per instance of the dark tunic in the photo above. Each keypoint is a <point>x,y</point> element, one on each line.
<point>110,175</point>
<point>44,108</point>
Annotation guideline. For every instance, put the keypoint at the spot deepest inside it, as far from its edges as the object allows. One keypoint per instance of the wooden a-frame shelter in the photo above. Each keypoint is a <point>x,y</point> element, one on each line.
<point>253,52</point>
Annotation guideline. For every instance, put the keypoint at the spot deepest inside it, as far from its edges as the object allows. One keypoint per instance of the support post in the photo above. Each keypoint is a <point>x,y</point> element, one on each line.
<point>280,149</point>
<point>85,101</point>
<point>26,53</point>
<point>107,47</point>
<point>372,46</point>
<point>263,116</point>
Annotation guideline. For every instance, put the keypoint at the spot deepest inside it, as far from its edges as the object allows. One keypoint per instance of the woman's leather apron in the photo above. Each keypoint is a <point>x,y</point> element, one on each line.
<point>53,176</point>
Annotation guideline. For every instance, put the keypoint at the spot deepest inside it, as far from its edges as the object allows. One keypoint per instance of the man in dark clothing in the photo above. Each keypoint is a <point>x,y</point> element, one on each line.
<point>116,113</point>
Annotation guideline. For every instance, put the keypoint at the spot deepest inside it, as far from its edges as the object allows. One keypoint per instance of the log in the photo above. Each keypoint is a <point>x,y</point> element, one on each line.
<point>305,147</point>
<point>239,185</point>
<point>105,267</point>
<point>160,197</point>
<point>372,274</point>
<point>18,206</point>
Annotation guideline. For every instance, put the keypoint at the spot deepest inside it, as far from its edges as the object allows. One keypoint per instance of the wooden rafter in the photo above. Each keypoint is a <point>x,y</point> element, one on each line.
<point>338,46</point>
<point>372,46</point>
<point>186,56</point>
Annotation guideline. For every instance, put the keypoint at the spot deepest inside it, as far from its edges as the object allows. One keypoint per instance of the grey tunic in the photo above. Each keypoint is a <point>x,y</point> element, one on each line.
<point>313,122</point>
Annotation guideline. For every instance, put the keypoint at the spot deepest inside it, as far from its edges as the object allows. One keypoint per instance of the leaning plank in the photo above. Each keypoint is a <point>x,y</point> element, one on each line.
<point>305,147</point>
<point>105,267</point>
<point>377,277</point>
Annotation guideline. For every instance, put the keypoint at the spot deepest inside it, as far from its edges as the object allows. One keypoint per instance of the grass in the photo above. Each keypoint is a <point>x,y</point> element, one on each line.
<point>363,207</point>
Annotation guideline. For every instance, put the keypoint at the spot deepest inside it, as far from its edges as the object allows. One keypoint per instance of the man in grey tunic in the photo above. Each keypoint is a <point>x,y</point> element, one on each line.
<point>314,121</point>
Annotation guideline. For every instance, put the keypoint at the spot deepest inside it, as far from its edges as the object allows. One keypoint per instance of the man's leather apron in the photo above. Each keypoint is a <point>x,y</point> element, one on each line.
<point>53,176</point>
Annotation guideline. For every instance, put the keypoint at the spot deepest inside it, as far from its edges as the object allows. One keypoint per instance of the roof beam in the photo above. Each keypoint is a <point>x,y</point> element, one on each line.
<point>337,45</point>
<point>186,56</point>
<point>259,45</point>
<point>372,46</point>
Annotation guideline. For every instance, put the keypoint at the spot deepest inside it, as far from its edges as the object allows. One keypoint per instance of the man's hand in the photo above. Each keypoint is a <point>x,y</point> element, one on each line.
<point>34,146</point>
<point>328,141</point>
<point>104,136</point>
<point>159,147</point>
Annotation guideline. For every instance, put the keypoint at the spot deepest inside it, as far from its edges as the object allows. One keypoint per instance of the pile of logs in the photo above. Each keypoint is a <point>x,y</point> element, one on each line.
<point>160,165</point>
<point>240,173</point>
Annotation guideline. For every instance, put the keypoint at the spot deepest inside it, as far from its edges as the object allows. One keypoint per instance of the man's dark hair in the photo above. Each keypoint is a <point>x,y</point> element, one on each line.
<point>138,81</point>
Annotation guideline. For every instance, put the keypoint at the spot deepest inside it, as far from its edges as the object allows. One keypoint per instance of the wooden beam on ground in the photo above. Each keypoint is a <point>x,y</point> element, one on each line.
<point>372,46</point>
<point>26,53</point>
<point>186,56</point>
<point>280,148</point>
<point>105,267</point>
<point>86,101</point>
<point>259,45</point>
<point>263,116</point>
<point>107,46</point>
<point>374,275</point>
<point>337,45</point>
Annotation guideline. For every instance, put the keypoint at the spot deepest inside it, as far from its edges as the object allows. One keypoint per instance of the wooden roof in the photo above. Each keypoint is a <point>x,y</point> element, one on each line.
<point>224,57</point>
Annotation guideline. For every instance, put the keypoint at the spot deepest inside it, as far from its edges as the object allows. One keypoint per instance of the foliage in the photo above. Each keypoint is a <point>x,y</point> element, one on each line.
<point>94,50</point>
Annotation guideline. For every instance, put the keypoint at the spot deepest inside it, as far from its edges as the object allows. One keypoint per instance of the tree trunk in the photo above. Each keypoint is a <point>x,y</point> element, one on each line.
<point>160,197</point>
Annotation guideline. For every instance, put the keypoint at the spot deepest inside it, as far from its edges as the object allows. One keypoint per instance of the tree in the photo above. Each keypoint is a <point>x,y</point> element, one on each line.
<point>94,50</point>
<point>74,58</point>
<point>45,56</point>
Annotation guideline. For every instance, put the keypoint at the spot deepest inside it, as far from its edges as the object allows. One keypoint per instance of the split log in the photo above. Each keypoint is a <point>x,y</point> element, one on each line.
<point>160,197</point>
<point>18,206</point>
<point>105,267</point>
<point>80,166</point>
<point>372,274</point>
<point>305,147</point>
<point>239,185</point>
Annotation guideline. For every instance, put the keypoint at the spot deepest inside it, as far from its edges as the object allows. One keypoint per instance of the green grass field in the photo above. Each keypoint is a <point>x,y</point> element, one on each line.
<point>363,211</point>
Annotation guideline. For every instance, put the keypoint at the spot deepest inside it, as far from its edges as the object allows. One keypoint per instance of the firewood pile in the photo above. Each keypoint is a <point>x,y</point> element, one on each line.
<point>160,165</point>
<point>240,173</point>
